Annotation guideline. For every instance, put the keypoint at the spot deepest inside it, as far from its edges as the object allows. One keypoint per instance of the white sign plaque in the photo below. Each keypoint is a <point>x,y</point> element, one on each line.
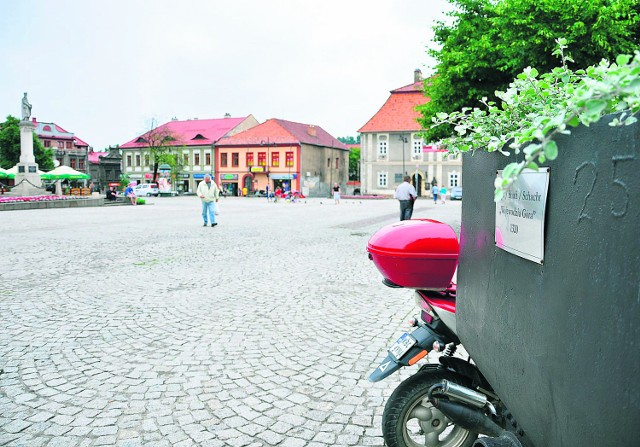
<point>520,215</point>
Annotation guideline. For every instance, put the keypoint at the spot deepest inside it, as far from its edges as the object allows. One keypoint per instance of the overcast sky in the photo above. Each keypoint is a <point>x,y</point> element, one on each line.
<point>105,70</point>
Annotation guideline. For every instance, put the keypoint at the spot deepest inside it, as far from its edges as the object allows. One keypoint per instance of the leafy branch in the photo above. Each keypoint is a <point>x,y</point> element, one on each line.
<point>536,108</point>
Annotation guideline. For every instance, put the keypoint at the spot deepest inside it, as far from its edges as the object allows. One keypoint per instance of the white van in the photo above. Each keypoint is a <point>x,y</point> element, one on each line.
<point>146,189</point>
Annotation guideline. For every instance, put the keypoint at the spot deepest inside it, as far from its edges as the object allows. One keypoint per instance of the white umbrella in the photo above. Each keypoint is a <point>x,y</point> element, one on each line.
<point>65,172</point>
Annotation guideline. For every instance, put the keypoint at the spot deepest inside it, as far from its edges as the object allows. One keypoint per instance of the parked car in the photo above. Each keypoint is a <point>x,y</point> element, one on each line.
<point>456,193</point>
<point>146,189</point>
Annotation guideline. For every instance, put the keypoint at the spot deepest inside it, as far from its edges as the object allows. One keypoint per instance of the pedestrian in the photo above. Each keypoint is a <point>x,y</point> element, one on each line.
<point>208,192</point>
<point>266,189</point>
<point>406,194</point>
<point>336,194</point>
<point>434,192</point>
<point>443,194</point>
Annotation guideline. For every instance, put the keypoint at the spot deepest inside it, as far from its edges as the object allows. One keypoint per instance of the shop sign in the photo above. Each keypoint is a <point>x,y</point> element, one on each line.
<point>257,169</point>
<point>114,184</point>
<point>228,176</point>
<point>284,176</point>
<point>184,175</point>
<point>197,176</point>
<point>520,215</point>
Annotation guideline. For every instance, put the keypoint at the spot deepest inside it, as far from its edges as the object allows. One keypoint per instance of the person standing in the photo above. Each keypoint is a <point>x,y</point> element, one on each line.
<point>209,193</point>
<point>336,194</point>
<point>406,195</point>
<point>434,192</point>
<point>443,194</point>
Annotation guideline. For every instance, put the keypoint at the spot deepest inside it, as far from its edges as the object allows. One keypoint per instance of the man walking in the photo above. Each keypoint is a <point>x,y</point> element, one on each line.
<point>406,194</point>
<point>208,192</point>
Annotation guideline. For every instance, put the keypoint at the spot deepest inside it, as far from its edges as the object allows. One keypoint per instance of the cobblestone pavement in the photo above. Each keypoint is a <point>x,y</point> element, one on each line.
<point>137,326</point>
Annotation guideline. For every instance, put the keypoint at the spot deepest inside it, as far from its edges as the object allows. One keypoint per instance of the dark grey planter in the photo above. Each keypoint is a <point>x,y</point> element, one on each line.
<point>560,341</point>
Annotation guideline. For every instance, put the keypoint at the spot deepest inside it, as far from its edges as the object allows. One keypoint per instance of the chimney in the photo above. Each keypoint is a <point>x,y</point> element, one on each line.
<point>311,130</point>
<point>417,75</point>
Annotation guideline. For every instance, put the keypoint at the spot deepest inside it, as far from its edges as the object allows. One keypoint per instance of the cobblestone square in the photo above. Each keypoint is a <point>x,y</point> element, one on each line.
<point>137,326</point>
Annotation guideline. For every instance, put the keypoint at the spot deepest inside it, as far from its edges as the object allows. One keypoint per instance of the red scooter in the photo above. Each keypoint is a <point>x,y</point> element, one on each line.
<point>450,403</point>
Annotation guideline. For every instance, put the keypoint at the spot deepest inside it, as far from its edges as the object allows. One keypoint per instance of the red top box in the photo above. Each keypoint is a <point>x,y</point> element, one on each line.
<point>416,254</point>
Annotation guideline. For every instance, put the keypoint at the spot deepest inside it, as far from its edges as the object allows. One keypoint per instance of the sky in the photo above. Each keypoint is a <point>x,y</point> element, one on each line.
<point>108,70</point>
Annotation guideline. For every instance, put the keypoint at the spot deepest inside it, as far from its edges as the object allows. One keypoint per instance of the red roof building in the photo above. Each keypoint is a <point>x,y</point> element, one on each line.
<point>392,146</point>
<point>68,149</point>
<point>284,154</point>
<point>191,140</point>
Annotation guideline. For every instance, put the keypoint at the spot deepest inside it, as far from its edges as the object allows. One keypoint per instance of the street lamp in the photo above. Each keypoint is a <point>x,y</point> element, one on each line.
<point>404,140</point>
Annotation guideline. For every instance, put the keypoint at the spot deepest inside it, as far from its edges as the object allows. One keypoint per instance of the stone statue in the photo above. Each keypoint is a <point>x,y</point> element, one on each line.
<point>26,108</point>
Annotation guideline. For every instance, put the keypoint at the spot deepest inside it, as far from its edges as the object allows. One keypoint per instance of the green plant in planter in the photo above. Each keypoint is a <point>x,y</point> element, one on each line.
<point>140,201</point>
<point>535,108</point>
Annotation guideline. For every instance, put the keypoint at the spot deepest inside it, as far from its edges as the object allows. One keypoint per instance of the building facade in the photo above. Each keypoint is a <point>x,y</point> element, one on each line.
<point>68,149</point>
<point>391,146</point>
<point>191,140</point>
<point>105,168</point>
<point>284,154</point>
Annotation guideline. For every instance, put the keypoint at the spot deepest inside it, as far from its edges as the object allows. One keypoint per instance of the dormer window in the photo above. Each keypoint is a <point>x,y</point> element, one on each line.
<point>199,137</point>
<point>141,140</point>
<point>46,128</point>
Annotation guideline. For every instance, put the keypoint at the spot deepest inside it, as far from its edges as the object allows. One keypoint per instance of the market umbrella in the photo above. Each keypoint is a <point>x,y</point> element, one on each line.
<point>6,174</point>
<point>67,173</point>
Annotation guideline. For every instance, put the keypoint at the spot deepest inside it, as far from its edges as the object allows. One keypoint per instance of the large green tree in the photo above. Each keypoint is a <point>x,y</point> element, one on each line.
<point>488,42</point>
<point>10,146</point>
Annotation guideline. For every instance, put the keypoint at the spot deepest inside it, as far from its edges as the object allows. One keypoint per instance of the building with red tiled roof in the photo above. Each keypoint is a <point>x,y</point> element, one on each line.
<point>285,154</point>
<point>67,148</point>
<point>392,146</point>
<point>192,140</point>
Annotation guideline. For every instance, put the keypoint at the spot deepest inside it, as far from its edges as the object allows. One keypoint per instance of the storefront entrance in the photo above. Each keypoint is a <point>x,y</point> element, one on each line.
<point>416,179</point>
<point>230,189</point>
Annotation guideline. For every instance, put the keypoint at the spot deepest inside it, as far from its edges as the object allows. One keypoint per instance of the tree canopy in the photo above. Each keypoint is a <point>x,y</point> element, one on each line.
<point>10,146</point>
<point>490,41</point>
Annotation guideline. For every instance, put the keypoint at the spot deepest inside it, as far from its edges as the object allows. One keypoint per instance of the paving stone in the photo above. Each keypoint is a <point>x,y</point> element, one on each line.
<point>166,350</point>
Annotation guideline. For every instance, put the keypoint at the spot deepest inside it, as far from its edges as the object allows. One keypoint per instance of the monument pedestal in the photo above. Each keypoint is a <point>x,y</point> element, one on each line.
<point>27,179</point>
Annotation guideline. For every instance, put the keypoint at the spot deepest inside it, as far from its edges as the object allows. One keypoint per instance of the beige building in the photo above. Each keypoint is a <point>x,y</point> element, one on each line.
<point>391,146</point>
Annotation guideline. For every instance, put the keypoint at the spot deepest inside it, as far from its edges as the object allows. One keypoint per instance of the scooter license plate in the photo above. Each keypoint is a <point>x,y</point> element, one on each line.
<point>402,346</point>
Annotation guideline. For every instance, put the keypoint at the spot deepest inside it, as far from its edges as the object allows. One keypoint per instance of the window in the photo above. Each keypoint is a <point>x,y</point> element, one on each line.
<point>146,159</point>
<point>328,162</point>
<point>275,159</point>
<point>235,159</point>
<point>60,160</point>
<point>262,158</point>
<point>47,143</point>
<point>68,145</point>
<point>223,159</point>
<point>128,160</point>
<point>185,159</point>
<point>454,179</point>
<point>416,148</point>
<point>397,178</point>
<point>382,179</point>
<point>137,159</point>
<point>249,158</point>
<point>289,159</point>
<point>207,159</point>
<point>46,128</point>
<point>383,146</point>
<point>73,163</point>
<point>337,162</point>
<point>81,164</point>
<point>196,159</point>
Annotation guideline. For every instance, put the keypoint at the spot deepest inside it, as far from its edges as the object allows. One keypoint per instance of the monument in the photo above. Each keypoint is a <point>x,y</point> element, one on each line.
<point>27,179</point>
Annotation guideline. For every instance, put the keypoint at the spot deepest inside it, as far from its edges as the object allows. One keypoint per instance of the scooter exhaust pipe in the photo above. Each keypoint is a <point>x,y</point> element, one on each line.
<point>506,439</point>
<point>466,417</point>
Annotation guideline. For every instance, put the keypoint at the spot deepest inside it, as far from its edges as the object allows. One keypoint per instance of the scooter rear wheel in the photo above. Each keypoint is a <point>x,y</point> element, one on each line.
<point>410,420</point>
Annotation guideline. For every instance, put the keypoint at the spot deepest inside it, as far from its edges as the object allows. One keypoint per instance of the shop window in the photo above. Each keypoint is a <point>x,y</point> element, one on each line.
<point>262,158</point>
<point>249,158</point>
<point>289,159</point>
<point>275,159</point>
<point>223,159</point>
<point>235,159</point>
